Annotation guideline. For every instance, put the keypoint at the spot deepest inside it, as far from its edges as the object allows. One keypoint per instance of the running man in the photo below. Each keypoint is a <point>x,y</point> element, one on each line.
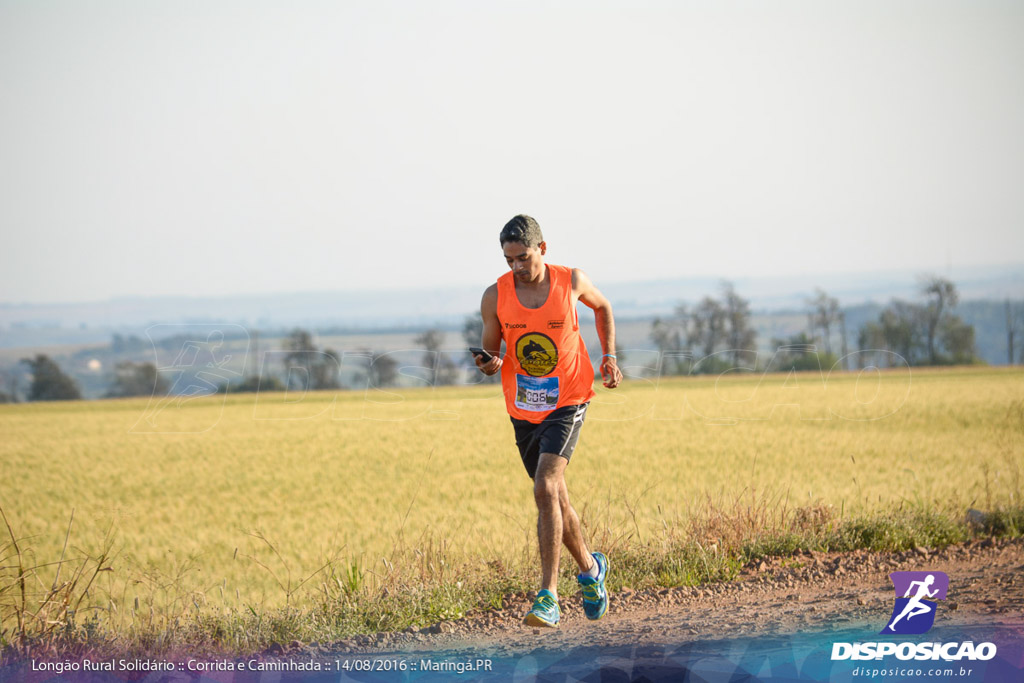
<point>547,379</point>
<point>914,606</point>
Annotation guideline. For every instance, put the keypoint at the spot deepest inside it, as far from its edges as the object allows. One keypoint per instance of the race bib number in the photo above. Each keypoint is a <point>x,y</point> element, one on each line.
<point>536,393</point>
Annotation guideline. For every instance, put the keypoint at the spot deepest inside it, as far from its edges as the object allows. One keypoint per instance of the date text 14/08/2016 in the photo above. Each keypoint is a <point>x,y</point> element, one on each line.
<point>400,664</point>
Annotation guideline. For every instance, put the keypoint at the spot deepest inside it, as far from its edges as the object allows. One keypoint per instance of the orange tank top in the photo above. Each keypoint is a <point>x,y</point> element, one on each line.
<point>546,364</point>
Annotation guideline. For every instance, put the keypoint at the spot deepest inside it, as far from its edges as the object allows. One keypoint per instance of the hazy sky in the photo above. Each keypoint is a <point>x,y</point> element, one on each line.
<point>206,148</point>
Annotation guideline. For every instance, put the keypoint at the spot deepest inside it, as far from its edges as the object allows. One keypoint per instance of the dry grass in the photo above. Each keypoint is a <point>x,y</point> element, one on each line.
<point>403,507</point>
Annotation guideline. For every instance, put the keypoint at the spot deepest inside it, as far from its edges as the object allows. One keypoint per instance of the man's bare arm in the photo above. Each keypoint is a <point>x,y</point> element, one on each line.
<point>592,297</point>
<point>490,340</point>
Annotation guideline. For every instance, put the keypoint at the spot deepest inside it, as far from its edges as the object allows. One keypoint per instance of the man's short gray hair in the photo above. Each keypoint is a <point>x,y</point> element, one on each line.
<point>522,229</point>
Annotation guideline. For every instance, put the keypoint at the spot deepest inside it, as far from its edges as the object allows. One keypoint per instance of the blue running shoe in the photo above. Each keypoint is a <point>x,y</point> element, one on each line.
<point>545,610</point>
<point>595,597</point>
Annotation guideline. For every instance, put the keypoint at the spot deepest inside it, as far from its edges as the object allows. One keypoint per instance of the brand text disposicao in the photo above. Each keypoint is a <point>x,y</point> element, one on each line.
<point>948,652</point>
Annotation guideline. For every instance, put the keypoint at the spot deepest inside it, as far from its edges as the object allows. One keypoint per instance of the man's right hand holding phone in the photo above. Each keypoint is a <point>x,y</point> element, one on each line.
<point>488,367</point>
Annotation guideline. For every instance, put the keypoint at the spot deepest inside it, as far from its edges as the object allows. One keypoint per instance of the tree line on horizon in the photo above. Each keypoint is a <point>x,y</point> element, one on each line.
<point>302,366</point>
<point>710,336</point>
<point>715,334</point>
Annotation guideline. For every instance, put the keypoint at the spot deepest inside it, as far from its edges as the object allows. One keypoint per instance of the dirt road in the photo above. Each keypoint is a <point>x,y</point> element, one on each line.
<point>796,594</point>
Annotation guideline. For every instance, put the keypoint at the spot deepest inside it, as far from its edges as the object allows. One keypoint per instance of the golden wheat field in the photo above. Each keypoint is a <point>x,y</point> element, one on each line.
<point>190,490</point>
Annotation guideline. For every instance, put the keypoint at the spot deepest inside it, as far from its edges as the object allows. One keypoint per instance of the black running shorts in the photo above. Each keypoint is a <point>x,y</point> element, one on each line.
<point>557,434</point>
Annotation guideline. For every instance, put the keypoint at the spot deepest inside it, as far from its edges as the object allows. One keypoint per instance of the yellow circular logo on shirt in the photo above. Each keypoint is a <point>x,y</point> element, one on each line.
<point>537,354</point>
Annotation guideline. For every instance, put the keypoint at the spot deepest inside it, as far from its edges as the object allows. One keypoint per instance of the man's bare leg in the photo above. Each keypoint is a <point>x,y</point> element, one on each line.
<point>572,535</point>
<point>557,521</point>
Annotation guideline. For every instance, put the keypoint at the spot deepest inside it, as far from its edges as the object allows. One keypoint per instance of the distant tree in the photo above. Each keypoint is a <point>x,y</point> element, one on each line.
<point>706,326</point>
<point>842,338</point>
<point>443,369</point>
<point>799,352</point>
<point>823,315</point>
<point>326,370</point>
<point>136,379</point>
<point>926,333</point>
<point>431,340</point>
<point>739,335</point>
<point>665,334</point>
<point>957,338</point>
<point>1013,322</point>
<point>253,384</point>
<point>941,295</point>
<point>902,329</point>
<point>472,329</point>
<point>9,386</point>
<point>383,371</point>
<point>321,367</point>
<point>870,340</point>
<point>49,383</point>
<point>300,351</point>
<point>472,333</point>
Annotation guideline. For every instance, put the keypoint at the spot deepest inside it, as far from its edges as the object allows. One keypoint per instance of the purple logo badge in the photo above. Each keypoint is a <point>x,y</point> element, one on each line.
<point>914,612</point>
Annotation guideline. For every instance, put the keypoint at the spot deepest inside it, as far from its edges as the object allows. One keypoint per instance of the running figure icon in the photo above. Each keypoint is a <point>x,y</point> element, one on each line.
<point>914,605</point>
<point>916,595</point>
